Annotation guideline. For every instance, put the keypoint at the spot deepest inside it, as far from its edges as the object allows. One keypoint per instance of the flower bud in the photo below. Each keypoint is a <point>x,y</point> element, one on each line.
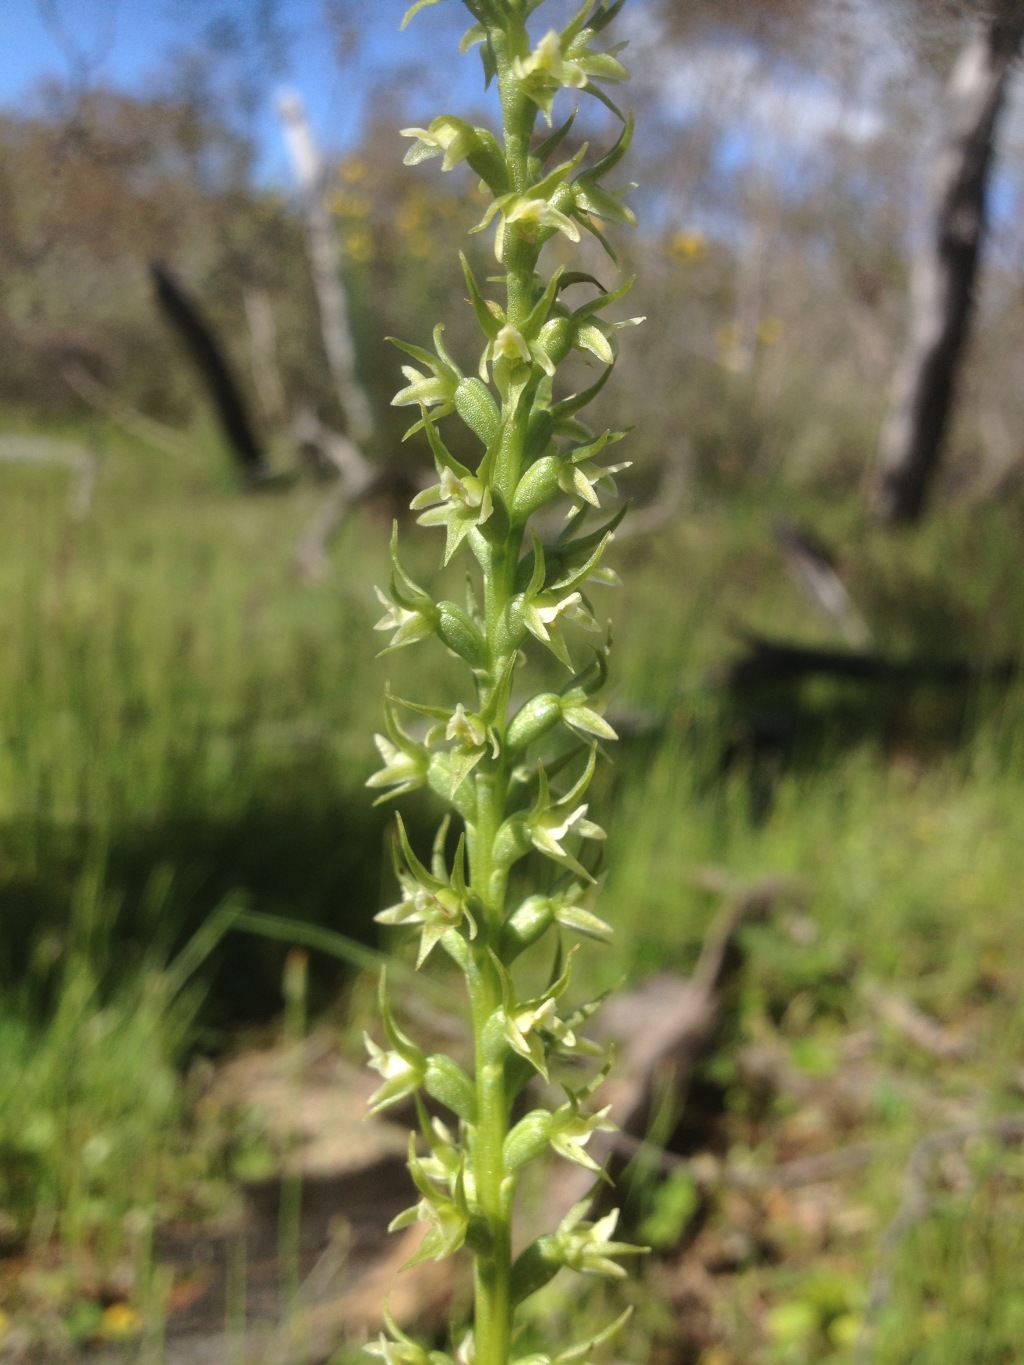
<point>493,1044</point>
<point>527,1140</point>
<point>556,339</point>
<point>461,636</point>
<point>525,926</point>
<point>512,842</point>
<point>534,719</point>
<point>476,406</point>
<point>532,1270</point>
<point>446,1081</point>
<point>537,486</point>
<point>511,629</point>
<point>510,346</point>
<point>539,433</point>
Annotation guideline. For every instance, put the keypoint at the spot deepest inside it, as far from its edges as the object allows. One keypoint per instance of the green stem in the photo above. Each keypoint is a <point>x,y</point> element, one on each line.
<point>492,1304</point>
<point>519,114</point>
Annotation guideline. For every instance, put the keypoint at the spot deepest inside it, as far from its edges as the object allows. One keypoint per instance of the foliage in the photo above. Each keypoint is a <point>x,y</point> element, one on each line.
<point>92,1111</point>
<point>172,725</point>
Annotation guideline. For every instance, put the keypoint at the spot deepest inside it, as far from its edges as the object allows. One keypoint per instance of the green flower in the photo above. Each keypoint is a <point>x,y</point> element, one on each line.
<point>542,616</point>
<point>402,770</point>
<point>437,387</point>
<point>547,65</point>
<point>405,760</point>
<point>551,822</point>
<point>396,1348</point>
<point>587,1247</point>
<point>446,1214</point>
<point>578,477</point>
<point>439,904</point>
<point>563,62</point>
<point>455,140</point>
<point>426,390</point>
<point>471,731</point>
<point>411,613</point>
<point>572,910</point>
<point>446,1163</point>
<point>459,501</point>
<point>532,1028</point>
<point>571,1130</point>
<point>549,828</point>
<point>446,137</point>
<point>508,347</point>
<point>409,624</point>
<point>529,217</point>
<point>403,1068</point>
<point>403,1074</point>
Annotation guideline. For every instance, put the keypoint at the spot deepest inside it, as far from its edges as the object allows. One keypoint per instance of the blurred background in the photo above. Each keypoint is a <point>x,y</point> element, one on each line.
<point>206,235</point>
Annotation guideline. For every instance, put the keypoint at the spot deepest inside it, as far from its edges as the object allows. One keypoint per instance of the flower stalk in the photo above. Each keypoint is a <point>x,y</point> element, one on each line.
<point>514,771</point>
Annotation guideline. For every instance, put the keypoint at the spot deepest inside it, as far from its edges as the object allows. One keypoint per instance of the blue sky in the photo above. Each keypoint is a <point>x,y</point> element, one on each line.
<point>127,44</point>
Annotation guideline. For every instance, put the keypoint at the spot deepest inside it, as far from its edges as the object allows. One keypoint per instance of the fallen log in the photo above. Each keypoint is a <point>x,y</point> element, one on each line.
<point>770,662</point>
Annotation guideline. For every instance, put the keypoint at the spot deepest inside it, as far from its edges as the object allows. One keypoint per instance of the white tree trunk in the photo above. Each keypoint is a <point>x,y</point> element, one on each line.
<point>945,268</point>
<point>325,259</point>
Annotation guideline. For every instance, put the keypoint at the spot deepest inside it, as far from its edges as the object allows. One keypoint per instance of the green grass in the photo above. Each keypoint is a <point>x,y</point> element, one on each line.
<point>181,722</point>
<point>173,703</point>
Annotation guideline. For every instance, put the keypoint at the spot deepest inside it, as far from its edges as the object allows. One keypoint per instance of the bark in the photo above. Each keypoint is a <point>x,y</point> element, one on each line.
<point>263,356</point>
<point>945,269</point>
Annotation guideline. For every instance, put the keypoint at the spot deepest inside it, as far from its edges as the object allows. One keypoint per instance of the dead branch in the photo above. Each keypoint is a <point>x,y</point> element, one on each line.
<point>311,559</point>
<point>355,480</point>
<point>129,419</point>
<point>810,564</point>
<point>345,453</point>
<point>916,1026</point>
<point>418,1299</point>
<point>707,1172</point>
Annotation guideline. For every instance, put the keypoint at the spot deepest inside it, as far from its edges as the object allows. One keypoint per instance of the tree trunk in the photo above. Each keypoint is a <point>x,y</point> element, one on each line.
<point>945,268</point>
<point>326,262</point>
<point>211,361</point>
